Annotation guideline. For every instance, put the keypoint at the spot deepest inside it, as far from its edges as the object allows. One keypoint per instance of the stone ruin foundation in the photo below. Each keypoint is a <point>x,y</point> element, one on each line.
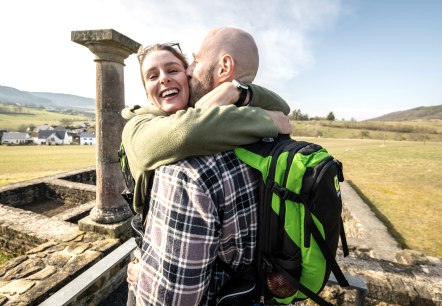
<point>41,226</point>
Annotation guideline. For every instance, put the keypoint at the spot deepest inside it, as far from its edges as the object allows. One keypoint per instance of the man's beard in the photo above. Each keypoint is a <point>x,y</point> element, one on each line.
<point>199,88</point>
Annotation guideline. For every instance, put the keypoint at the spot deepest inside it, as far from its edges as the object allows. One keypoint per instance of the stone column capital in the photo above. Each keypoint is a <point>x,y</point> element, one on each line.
<point>107,44</point>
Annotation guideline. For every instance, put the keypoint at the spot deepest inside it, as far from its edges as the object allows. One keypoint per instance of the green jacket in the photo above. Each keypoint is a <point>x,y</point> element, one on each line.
<point>153,138</point>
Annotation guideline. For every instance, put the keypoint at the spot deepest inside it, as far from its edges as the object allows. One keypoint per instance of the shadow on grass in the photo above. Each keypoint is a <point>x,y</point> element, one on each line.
<point>396,235</point>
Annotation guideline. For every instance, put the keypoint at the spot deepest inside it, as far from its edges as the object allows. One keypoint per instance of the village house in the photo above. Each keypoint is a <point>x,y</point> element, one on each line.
<point>43,127</point>
<point>52,137</point>
<point>2,132</point>
<point>87,138</point>
<point>16,138</point>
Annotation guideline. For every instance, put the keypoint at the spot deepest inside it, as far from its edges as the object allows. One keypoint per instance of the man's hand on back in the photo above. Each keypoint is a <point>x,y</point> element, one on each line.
<point>281,121</point>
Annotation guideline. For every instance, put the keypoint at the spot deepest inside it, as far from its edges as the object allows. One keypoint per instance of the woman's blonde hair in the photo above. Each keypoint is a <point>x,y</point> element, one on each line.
<point>172,47</point>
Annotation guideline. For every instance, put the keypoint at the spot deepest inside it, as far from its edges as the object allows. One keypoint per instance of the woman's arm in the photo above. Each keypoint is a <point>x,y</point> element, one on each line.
<point>151,140</point>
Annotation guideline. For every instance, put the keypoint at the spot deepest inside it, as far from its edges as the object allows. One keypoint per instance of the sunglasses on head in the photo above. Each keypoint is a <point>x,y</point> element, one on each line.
<point>143,51</point>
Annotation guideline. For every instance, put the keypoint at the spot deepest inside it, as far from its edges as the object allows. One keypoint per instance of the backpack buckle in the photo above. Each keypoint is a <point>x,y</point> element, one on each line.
<point>128,196</point>
<point>282,192</point>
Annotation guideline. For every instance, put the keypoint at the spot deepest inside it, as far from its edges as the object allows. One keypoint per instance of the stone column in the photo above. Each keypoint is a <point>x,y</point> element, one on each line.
<point>110,49</point>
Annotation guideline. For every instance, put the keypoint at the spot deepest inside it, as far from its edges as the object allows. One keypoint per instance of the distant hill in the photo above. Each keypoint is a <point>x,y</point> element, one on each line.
<point>418,113</point>
<point>46,99</point>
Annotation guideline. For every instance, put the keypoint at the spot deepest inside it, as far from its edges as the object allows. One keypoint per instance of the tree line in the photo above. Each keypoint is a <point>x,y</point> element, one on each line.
<point>297,115</point>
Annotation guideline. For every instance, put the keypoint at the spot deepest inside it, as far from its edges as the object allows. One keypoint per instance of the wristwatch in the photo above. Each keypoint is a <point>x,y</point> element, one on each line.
<point>243,89</point>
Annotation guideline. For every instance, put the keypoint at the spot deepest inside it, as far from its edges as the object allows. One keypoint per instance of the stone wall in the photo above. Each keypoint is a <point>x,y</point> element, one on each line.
<point>37,211</point>
<point>84,177</point>
<point>64,192</point>
<point>31,278</point>
<point>23,230</point>
<point>393,276</point>
<point>51,249</point>
<point>412,279</point>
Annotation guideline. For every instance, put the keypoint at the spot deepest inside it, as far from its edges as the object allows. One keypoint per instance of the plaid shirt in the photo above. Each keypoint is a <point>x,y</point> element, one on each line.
<point>200,209</point>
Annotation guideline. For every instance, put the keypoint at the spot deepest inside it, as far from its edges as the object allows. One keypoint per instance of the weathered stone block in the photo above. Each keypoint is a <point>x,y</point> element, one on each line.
<point>42,247</point>
<point>43,289</point>
<point>410,257</point>
<point>10,264</point>
<point>59,259</point>
<point>83,261</point>
<point>43,274</point>
<point>17,286</point>
<point>25,269</point>
<point>78,249</point>
<point>105,246</point>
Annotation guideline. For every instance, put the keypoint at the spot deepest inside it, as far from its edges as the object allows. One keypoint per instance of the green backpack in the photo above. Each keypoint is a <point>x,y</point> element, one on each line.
<point>128,192</point>
<point>299,221</point>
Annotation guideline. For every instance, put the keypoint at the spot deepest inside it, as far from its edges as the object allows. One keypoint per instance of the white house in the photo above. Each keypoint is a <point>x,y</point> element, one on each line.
<point>87,138</point>
<point>16,138</point>
<point>43,127</point>
<point>53,138</point>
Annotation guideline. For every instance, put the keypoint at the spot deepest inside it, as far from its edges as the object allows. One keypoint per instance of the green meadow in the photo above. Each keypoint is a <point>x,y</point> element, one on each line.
<point>20,163</point>
<point>400,180</point>
<point>418,130</point>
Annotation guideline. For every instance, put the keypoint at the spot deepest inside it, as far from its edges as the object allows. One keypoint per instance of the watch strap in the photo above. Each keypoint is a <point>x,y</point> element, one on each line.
<point>242,94</point>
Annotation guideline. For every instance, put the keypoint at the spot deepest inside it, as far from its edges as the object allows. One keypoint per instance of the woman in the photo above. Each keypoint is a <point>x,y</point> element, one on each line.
<point>168,130</point>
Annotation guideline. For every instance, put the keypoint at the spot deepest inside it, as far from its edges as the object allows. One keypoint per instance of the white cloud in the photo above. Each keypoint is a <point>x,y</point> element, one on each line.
<point>40,56</point>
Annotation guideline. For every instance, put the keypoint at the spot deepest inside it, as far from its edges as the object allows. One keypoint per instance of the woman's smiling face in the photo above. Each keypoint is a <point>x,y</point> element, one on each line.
<point>166,82</point>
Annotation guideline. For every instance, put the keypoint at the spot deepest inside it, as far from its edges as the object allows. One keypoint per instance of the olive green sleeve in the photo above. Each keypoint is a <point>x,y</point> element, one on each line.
<point>267,99</point>
<point>151,141</point>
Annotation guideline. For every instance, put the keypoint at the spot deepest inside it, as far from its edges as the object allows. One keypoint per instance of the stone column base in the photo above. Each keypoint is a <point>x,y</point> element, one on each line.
<point>121,230</point>
<point>111,215</point>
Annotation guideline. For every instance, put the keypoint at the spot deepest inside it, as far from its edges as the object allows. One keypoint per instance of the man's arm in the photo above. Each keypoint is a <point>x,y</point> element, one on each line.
<point>267,99</point>
<point>227,94</point>
<point>180,242</point>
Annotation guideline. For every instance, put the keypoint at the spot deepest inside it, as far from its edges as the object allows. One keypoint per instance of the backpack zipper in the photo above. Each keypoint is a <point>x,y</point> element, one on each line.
<point>233,295</point>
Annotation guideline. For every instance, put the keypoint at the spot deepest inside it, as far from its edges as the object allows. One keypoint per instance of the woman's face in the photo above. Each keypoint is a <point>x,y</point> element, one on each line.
<point>166,81</point>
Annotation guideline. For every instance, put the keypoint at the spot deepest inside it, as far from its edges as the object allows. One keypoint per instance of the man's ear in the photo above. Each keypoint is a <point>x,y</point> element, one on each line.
<point>226,68</point>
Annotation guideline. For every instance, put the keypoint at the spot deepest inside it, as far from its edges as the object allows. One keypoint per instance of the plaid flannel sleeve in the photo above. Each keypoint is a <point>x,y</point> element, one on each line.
<point>180,242</point>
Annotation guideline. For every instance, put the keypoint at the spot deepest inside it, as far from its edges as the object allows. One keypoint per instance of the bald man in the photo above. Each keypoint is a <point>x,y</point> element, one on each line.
<point>203,210</point>
<point>225,54</point>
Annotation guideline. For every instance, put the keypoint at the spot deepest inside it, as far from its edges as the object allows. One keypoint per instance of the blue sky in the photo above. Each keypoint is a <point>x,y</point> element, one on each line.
<point>359,59</point>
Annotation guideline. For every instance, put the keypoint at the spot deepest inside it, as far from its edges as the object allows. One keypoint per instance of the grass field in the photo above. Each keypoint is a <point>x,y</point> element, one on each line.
<point>402,180</point>
<point>19,163</point>
<point>408,130</point>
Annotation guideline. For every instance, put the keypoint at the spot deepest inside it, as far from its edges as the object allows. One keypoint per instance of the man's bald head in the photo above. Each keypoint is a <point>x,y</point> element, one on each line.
<point>239,44</point>
<point>225,54</point>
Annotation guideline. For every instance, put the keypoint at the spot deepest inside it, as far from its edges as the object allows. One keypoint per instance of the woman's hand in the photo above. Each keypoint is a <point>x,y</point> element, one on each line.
<point>133,268</point>
<point>224,94</point>
<point>281,121</point>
